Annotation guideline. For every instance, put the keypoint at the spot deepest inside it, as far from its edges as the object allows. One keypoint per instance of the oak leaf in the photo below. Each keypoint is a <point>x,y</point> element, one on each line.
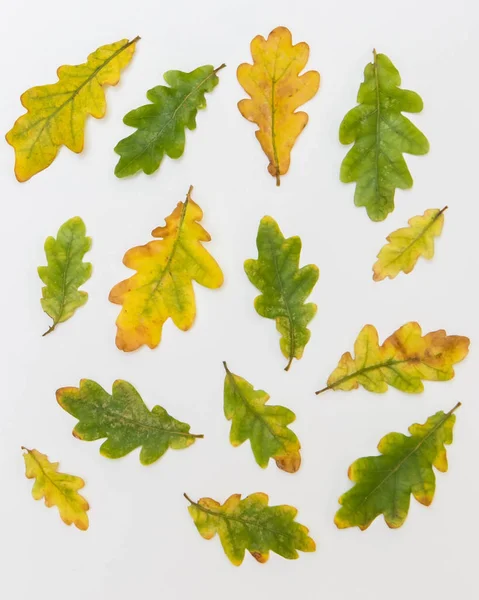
<point>56,113</point>
<point>124,420</point>
<point>284,287</point>
<point>161,125</point>
<point>265,426</point>
<point>65,271</point>
<point>408,244</point>
<point>384,484</point>
<point>404,360</point>
<point>250,524</point>
<point>163,285</point>
<point>381,134</point>
<point>277,90</point>
<point>58,489</point>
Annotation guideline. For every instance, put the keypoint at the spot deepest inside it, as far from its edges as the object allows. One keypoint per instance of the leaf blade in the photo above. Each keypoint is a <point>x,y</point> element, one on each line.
<point>266,427</point>
<point>65,272</point>
<point>404,360</point>
<point>124,420</point>
<point>381,134</point>
<point>56,112</point>
<point>276,90</point>
<point>408,244</point>
<point>57,489</point>
<point>384,483</point>
<point>161,125</point>
<point>284,287</point>
<point>250,524</point>
<point>163,285</point>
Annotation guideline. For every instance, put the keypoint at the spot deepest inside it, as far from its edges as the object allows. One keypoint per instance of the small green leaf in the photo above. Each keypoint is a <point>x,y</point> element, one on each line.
<point>124,419</point>
<point>161,125</point>
<point>384,484</point>
<point>65,271</point>
<point>380,134</point>
<point>265,426</point>
<point>250,524</point>
<point>284,287</point>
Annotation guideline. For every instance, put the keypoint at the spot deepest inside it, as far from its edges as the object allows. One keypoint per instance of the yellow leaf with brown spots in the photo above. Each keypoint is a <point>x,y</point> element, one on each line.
<point>250,524</point>
<point>58,489</point>
<point>56,113</point>
<point>162,287</point>
<point>277,89</point>
<point>384,483</point>
<point>404,360</point>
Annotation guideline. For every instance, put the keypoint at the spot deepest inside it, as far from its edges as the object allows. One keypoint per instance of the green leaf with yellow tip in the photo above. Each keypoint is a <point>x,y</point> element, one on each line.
<point>384,484</point>
<point>381,134</point>
<point>65,271</point>
<point>124,420</point>
<point>284,287</point>
<point>56,113</point>
<point>404,360</point>
<point>58,489</point>
<point>408,244</point>
<point>250,524</point>
<point>266,427</point>
<point>161,125</point>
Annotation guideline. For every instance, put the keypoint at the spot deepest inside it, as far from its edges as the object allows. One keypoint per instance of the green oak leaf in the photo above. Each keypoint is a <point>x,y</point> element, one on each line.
<point>65,271</point>
<point>380,134</point>
<point>284,287</point>
<point>384,484</point>
<point>266,427</point>
<point>161,125</point>
<point>250,524</point>
<point>124,419</point>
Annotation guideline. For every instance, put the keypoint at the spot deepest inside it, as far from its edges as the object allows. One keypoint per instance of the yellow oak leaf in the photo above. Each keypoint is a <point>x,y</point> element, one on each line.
<point>276,91</point>
<point>404,360</point>
<point>163,285</point>
<point>58,489</point>
<point>56,113</point>
<point>408,244</point>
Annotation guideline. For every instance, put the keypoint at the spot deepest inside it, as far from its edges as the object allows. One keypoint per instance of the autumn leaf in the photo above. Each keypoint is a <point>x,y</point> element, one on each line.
<point>161,125</point>
<point>404,361</point>
<point>56,113</point>
<point>266,427</point>
<point>284,287</point>
<point>65,272</point>
<point>250,524</point>
<point>124,420</point>
<point>163,285</point>
<point>58,489</point>
<point>381,134</point>
<point>408,244</point>
<point>277,90</point>
<point>384,484</point>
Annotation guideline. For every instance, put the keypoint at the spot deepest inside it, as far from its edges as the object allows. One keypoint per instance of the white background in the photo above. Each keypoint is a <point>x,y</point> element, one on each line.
<point>142,542</point>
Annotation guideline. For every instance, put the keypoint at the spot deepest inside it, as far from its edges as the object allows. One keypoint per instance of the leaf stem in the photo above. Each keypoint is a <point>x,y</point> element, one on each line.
<point>189,499</point>
<point>50,329</point>
<point>219,68</point>
<point>286,368</point>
